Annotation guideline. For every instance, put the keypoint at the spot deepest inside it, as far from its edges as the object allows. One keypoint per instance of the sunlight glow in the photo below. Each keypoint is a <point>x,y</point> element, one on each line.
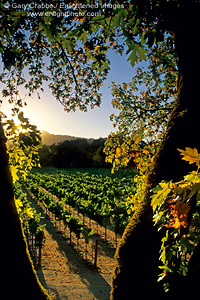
<point>49,115</point>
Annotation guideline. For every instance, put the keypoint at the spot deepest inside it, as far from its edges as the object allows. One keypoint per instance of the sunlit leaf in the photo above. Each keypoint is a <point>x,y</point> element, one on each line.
<point>160,193</point>
<point>191,155</point>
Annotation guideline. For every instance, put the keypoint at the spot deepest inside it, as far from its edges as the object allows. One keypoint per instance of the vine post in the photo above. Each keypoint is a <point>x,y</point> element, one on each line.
<point>96,253</point>
<point>39,241</point>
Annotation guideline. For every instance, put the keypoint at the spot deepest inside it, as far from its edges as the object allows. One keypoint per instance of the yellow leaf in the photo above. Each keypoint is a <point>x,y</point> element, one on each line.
<point>145,151</point>
<point>160,194</point>
<point>191,155</point>
<point>29,212</point>
<point>14,173</point>
<point>18,204</point>
<point>118,151</point>
<point>96,47</point>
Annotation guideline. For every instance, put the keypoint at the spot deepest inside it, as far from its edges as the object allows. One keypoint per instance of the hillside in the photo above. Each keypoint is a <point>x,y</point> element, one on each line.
<point>50,139</point>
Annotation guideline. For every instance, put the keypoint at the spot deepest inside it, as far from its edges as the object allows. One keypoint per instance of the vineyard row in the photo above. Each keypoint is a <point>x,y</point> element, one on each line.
<point>101,201</point>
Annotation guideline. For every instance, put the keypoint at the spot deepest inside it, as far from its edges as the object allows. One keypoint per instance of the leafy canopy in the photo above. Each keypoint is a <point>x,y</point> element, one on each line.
<point>176,208</point>
<point>23,143</point>
<point>144,106</point>
<point>67,44</point>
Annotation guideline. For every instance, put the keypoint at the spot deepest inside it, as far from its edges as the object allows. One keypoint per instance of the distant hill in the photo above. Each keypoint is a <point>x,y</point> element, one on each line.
<point>50,139</point>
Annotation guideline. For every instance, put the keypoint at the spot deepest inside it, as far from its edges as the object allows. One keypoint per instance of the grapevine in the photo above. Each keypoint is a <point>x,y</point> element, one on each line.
<point>101,198</point>
<point>31,222</point>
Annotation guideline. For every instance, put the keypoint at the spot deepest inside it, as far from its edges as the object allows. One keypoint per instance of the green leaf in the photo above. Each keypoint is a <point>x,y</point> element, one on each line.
<point>83,36</point>
<point>45,28</point>
<point>136,50</point>
<point>187,244</point>
<point>163,255</point>
<point>161,191</point>
<point>195,189</point>
<point>133,56</point>
<point>67,44</point>
<point>119,18</point>
<point>142,53</point>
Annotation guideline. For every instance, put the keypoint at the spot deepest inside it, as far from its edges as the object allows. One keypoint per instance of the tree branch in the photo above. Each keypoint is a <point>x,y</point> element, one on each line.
<point>67,60</point>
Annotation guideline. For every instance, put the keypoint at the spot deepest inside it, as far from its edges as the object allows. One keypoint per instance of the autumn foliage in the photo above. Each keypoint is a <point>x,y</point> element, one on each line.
<point>176,210</point>
<point>179,211</point>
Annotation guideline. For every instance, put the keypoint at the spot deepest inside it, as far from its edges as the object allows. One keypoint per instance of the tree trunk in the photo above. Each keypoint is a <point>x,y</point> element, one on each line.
<point>137,257</point>
<point>18,278</point>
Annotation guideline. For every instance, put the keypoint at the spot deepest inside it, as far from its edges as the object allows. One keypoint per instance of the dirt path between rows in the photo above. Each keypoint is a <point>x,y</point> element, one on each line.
<point>66,274</point>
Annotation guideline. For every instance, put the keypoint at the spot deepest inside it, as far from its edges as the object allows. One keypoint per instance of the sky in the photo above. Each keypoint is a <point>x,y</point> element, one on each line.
<point>49,115</point>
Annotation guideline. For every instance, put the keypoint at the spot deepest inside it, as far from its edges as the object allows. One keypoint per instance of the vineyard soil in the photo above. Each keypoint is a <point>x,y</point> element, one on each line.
<point>65,273</point>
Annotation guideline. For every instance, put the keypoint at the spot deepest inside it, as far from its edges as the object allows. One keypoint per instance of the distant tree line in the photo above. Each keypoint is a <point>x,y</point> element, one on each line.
<point>79,153</point>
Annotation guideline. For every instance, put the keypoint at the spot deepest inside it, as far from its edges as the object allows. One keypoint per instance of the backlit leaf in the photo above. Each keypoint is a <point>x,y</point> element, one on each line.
<point>160,194</point>
<point>191,155</point>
